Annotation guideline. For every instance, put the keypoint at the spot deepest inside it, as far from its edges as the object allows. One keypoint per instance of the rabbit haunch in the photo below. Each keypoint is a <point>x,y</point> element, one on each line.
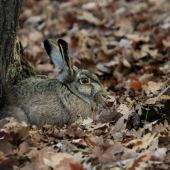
<point>42,100</point>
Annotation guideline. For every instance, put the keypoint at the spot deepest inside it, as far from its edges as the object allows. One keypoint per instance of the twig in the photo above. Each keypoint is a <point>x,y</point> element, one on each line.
<point>146,118</point>
<point>162,92</point>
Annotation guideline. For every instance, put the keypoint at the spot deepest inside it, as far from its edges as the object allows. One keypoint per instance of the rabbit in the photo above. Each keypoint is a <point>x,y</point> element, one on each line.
<point>42,100</point>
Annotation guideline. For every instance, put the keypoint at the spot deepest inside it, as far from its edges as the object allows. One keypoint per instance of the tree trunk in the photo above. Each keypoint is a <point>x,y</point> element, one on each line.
<point>13,64</point>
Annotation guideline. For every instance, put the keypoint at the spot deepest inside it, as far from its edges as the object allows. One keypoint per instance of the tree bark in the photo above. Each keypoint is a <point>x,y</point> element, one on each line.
<point>13,64</point>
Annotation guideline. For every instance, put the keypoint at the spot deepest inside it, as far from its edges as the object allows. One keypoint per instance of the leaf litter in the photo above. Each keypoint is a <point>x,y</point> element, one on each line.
<point>125,43</point>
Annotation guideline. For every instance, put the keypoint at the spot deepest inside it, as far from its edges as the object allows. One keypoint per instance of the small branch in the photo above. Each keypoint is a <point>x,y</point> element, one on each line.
<point>162,93</point>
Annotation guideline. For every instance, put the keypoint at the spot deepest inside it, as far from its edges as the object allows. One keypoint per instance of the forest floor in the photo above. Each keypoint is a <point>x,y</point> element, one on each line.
<point>127,44</point>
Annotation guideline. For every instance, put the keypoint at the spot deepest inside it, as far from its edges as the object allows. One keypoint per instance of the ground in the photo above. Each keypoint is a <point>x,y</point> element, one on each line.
<point>127,44</point>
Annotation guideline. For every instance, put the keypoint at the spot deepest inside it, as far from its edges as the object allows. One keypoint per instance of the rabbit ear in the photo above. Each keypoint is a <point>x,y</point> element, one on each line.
<point>59,54</point>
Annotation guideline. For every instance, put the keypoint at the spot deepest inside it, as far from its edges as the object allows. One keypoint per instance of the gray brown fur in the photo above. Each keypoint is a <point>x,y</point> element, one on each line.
<point>42,100</point>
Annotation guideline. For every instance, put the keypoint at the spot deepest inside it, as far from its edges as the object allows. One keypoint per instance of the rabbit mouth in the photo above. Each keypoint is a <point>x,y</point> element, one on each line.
<point>100,98</point>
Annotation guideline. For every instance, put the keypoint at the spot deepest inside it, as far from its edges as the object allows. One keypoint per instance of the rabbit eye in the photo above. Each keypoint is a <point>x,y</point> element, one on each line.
<point>84,80</point>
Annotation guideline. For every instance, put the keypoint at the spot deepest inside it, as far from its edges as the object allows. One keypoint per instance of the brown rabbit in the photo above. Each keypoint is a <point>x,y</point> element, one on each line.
<point>42,100</point>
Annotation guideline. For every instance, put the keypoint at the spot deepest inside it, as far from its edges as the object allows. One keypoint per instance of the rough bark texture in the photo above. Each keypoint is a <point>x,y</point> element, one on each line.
<point>13,64</point>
